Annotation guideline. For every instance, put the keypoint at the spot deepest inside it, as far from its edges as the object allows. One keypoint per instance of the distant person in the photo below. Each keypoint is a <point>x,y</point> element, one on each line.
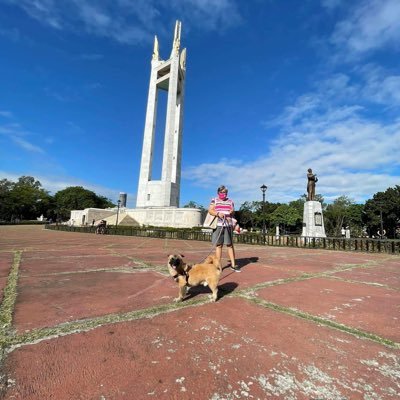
<point>347,232</point>
<point>235,226</point>
<point>101,227</point>
<point>223,208</point>
<point>343,232</point>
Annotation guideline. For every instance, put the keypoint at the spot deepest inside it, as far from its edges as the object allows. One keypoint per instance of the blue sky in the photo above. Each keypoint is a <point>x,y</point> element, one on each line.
<point>272,88</point>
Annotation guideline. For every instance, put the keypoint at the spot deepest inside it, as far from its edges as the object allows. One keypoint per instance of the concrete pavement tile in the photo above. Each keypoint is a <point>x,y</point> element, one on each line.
<point>382,275</point>
<point>228,350</point>
<point>67,262</point>
<point>52,300</point>
<point>6,260</point>
<point>365,307</point>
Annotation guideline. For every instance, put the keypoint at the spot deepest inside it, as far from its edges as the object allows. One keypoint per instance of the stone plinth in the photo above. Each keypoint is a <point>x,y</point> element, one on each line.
<point>313,220</point>
<point>167,216</point>
<point>86,216</point>
<point>157,216</point>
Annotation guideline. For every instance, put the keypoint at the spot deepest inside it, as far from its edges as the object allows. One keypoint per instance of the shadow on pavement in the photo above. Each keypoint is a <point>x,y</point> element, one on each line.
<point>223,290</point>
<point>242,262</point>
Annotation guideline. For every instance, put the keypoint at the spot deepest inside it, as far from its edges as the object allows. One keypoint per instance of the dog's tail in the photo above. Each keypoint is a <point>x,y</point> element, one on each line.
<point>212,259</point>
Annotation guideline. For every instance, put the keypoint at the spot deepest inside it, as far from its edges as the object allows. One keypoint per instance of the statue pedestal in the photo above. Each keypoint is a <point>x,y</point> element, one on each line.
<point>313,220</point>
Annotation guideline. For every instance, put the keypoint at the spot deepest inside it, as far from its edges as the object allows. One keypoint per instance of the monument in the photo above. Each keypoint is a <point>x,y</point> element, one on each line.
<point>157,201</point>
<point>313,220</point>
<point>166,75</point>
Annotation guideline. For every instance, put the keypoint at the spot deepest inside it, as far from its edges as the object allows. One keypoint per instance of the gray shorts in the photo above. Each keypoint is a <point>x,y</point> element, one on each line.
<point>224,237</point>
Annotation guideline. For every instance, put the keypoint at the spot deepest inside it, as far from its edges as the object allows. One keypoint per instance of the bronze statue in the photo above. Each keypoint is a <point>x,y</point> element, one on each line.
<point>312,180</point>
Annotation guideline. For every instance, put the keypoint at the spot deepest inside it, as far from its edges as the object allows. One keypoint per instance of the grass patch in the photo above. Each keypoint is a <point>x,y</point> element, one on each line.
<point>9,296</point>
<point>85,325</point>
<point>325,322</point>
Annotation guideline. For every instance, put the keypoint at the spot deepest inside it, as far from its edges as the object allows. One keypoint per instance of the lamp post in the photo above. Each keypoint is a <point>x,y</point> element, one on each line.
<point>116,222</point>
<point>263,189</point>
<point>380,212</point>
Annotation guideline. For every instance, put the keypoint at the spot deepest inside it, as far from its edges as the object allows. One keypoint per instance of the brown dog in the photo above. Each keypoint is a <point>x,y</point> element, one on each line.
<point>206,273</point>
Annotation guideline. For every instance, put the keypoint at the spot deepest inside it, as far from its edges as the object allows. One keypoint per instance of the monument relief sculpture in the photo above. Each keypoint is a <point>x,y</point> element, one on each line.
<point>312,180</point>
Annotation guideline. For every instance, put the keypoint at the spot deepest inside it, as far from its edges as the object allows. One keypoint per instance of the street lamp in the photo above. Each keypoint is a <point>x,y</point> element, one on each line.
<point>119,203</point>
<point>380,210</point>
<point>263,189</point>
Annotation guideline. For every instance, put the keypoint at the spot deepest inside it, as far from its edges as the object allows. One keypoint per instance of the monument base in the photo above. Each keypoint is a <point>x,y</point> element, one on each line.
<point>167,216</point>
<point>163,217</point>
<point>313,220</point>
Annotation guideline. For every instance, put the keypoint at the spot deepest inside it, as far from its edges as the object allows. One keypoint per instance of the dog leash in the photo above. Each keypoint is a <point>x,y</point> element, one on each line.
<point>224,225</point>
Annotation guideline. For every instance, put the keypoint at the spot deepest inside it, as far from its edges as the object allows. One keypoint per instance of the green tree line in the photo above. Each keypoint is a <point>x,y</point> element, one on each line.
<point>379,214</point>
<point>26,199</point>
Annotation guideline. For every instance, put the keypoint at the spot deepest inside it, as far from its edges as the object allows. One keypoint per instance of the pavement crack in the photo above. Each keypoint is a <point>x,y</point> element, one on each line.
<point>37,335</point>
<point>376,284</point>
<point>321,321</point>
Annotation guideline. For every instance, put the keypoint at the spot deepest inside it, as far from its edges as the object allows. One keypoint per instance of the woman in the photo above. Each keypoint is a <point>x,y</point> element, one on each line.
<point>223,208</point>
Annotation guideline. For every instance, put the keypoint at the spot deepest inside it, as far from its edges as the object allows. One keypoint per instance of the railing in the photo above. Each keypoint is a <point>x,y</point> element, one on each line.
<point>329,243</point>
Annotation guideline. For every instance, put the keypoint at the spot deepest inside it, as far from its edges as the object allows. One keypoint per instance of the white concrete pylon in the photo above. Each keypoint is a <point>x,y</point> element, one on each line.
<point>166,75</point>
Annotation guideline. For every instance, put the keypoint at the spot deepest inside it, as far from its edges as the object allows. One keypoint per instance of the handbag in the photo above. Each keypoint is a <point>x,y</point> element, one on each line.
<point>210,221</point>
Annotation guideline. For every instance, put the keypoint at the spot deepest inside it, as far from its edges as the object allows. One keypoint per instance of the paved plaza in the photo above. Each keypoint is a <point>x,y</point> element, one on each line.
<point>88,316</point>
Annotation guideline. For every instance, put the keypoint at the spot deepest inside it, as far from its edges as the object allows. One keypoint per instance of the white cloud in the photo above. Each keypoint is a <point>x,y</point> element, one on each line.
<point>6,114</point>
<point>27,145</point>
<point>333,129</point>
<point>11,34</point>
<point>381,86</point>
<point>372,25</point>
<point>330,4</point>
<point>16,134</point>
<point>209,14</point>
<point>130,21</point>
<point>348,156</point>
<point>328,131</point>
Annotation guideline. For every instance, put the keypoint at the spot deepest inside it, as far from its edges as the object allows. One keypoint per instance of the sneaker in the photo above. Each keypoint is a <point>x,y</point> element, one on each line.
<point>235,268</point>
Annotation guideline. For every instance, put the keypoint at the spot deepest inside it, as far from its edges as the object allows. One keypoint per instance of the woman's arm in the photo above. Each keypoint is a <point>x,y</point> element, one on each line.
<point>212,210</point>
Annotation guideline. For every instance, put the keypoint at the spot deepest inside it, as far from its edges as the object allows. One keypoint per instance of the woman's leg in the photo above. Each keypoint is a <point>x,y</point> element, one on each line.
<point>231,253</point>
<point>218,252</point>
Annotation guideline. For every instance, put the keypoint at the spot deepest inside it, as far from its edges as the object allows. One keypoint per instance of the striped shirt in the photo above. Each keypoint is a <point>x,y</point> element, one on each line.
<point>222,206</point>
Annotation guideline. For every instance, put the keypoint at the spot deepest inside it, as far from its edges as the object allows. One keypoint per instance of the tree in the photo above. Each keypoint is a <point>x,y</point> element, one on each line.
<point>335,215</point>
<point>193,204</point>
<point>246,214</point>
<point>354,219</point>
<point>5,199</point>
<point>28,199</point>
<point>253,214</point>
<point>383,209</point>
<point>286,215</point>
<point>78,198</point>
<point>299,206</point>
